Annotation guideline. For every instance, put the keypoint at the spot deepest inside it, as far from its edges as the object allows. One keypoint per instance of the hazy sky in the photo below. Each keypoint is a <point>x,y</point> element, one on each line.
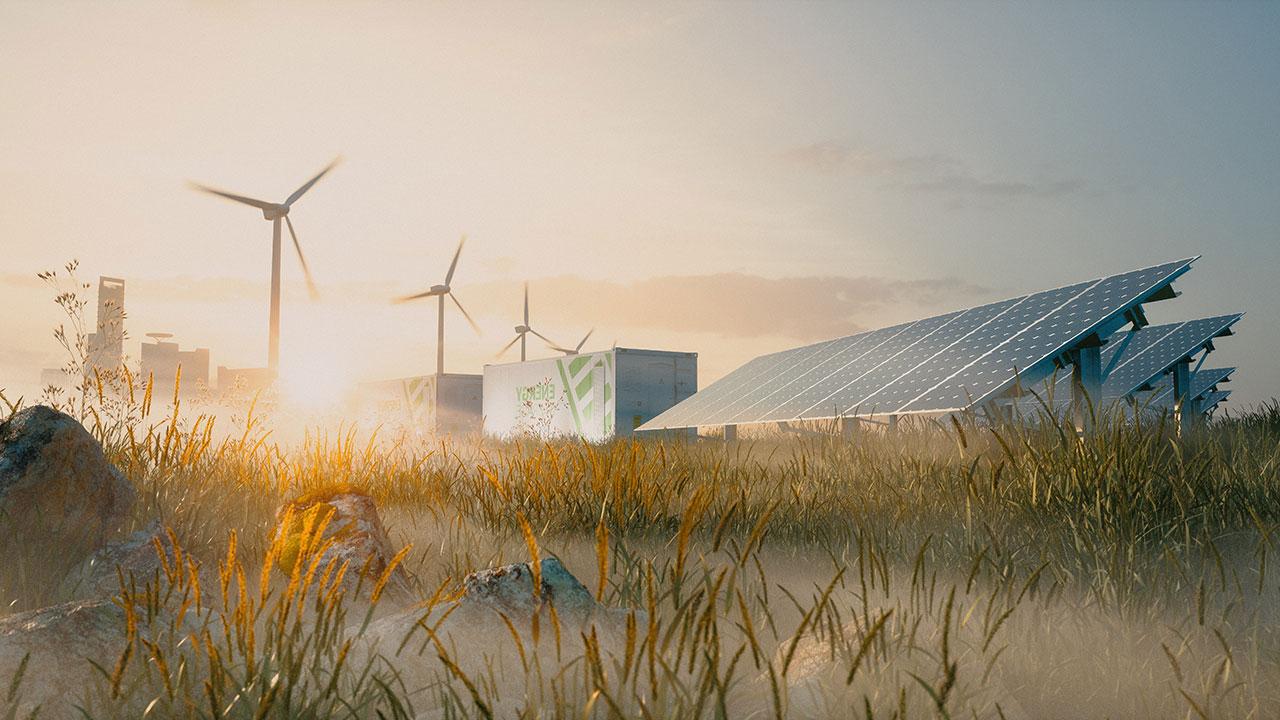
<point>725,178</point>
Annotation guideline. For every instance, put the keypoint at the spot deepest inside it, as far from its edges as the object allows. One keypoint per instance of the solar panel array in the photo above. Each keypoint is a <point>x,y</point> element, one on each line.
<point>1208,402</point>
<point>1137,359</point>
<point>945,363</point>
<point>1203,384</point>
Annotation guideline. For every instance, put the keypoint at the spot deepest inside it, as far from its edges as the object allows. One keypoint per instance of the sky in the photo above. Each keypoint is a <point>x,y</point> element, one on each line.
<point>724,178</point>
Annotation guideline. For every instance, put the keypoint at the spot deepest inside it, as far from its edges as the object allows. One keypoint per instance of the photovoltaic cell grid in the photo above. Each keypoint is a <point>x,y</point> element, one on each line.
<point>939,364</point>
<point>1137,359</point>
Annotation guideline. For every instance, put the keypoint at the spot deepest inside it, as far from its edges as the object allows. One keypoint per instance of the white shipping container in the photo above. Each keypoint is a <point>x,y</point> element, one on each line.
<point>594,396</point>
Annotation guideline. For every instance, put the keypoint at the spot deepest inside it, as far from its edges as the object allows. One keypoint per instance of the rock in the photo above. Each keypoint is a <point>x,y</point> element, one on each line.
<point>490,630</point>
<point>135,556</point>
<point>509,590</point>
<point>61,640</point>
<point>359,539</point>
<point>56,487</point>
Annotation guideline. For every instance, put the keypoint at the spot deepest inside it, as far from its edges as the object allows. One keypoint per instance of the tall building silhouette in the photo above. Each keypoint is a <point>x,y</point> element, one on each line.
<point>105,348</point>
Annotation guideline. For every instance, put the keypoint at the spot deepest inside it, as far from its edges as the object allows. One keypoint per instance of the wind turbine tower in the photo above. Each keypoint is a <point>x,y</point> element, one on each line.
<point>275,212</point>
<point>523,330</point>
<point>439,292</point>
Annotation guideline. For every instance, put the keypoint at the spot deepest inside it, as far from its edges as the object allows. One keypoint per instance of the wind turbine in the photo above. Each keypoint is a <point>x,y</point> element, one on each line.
<point>524,329</point>
<point>275,212</point>
<point>578,348</point>
<point>440,291</point>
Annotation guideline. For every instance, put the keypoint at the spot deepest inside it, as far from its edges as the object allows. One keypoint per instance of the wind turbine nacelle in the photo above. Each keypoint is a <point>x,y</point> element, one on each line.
<point>522,329</point>
<point>277,211</point>
<point>439,289</point>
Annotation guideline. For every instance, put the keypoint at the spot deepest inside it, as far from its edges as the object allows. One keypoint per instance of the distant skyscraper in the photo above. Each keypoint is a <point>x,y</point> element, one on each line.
<point>106,346</point>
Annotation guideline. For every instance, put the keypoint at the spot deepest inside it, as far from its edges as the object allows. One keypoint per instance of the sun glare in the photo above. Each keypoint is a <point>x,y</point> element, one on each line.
<point>316,372</point>
<point>315,382</point>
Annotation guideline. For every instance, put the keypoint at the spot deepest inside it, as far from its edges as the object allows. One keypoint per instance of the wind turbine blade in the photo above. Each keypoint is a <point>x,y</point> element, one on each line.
<point>550,343</point>
<point>465,314</point>
<point>526,304</point>
<point>306,271</point>
<point>260,204</point>
<point>508,346</point>
<point>557,348</point>
<point>584,340</point>
<point>407,298</point>
<point>448,278</point>
<point>307,185</point>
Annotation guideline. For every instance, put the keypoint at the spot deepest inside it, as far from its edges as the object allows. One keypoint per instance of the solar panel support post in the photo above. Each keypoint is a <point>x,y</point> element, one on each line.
<point>730,433</point>
<point>1086,384</point>
<point>998,413</point>
<point>848,428</point>
<point>893,423</point>
<point>1182,401</point>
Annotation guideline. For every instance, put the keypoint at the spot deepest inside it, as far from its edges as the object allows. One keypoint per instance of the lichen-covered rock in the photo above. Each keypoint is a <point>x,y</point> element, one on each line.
<point>509,590</point>
<point>61,641</point>
<point>355,535</point>
<point>134,557</point>
<point>56,486</point>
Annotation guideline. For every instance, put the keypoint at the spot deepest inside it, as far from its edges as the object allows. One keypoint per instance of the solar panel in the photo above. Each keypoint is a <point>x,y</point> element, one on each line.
<point>1164,401</point>
<point>1214,399</point>
<point>700,401</point>
<point>1203,382</point>
<point>1137,359</point>
<point>939,364</point>
<point>1177,342</point>
<point>1206,380</point>
<point>783,363</point>
<point>814,389</point>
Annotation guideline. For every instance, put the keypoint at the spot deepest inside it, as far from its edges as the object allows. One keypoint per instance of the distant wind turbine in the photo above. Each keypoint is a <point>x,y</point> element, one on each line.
<point>523,330</point>
<point>275,212</point>
<point>439,291</point>
<point>578,348</point>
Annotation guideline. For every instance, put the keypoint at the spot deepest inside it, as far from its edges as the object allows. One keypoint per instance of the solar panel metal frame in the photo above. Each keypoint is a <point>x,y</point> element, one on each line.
<point>1045,360</point>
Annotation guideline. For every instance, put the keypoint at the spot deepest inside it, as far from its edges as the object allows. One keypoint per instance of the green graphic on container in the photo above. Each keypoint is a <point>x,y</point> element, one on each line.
<point>588,383</point>
<point>418,398</point>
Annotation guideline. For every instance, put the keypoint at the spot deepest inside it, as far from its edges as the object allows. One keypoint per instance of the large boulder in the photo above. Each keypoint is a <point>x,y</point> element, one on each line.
<point>57,489</point>
<point>60,641</point>
<point>355,536</point>
<point>135,558</point>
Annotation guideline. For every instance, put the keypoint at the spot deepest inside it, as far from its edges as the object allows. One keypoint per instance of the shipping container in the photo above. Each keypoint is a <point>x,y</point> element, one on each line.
<point>439,404</point>
<point>594,396</point>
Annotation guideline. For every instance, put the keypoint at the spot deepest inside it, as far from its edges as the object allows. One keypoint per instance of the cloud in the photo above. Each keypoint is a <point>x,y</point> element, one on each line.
<point>735,304</point>
<point>26,281</point>
<point>830,157</point>
<point>966,185</point>
<point>934,174</point>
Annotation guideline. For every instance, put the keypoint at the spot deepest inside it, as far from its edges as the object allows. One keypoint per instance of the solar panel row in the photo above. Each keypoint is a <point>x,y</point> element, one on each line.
<point>938,364</point>
<point>1203,383</point>
<point>1137,359</point>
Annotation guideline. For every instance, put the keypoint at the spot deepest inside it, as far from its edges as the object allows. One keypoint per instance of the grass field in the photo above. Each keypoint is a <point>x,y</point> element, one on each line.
<point>940,571</point>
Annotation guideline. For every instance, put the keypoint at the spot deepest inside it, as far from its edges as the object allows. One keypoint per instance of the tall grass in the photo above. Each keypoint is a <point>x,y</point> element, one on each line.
<point>941,570</point>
